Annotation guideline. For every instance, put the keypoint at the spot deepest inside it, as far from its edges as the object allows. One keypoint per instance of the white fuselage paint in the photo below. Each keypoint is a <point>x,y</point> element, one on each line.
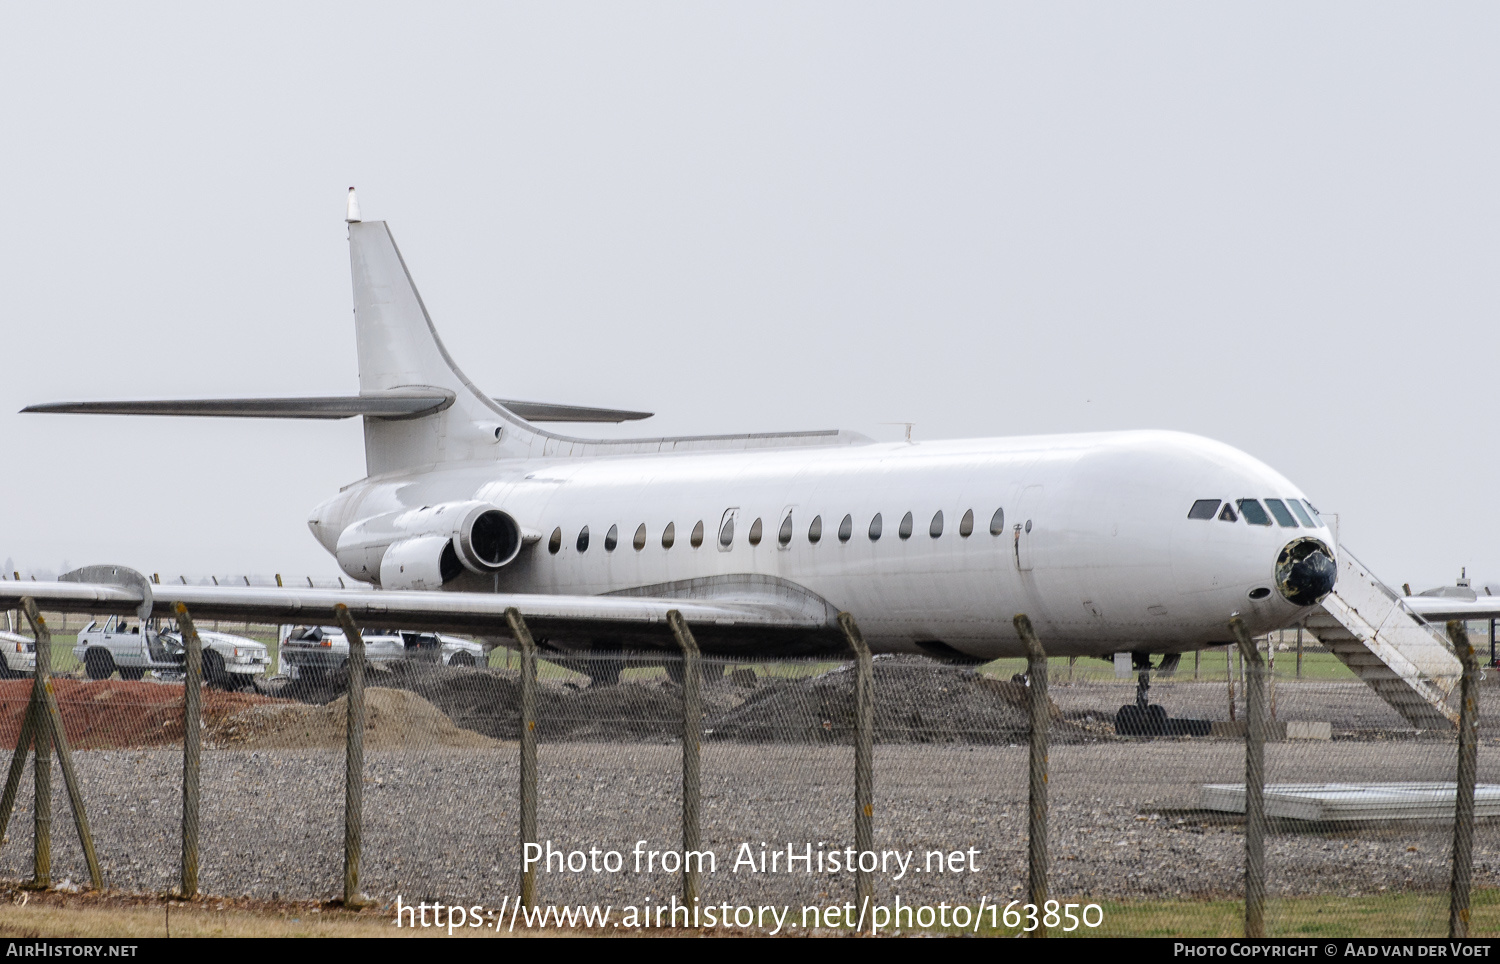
<point>1111,561</point>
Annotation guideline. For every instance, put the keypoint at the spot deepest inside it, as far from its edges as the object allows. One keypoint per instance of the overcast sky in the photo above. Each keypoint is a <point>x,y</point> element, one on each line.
<point>1271,224</point>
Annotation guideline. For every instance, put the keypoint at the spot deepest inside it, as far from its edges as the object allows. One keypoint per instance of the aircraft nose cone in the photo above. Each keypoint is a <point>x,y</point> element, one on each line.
<point>1305,572</point>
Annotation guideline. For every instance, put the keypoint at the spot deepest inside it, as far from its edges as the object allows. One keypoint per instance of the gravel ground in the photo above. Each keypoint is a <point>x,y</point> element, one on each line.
<point>441,823</point>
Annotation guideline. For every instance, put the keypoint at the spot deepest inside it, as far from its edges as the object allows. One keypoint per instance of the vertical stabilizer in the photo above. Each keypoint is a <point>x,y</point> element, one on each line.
<point>399,351</point>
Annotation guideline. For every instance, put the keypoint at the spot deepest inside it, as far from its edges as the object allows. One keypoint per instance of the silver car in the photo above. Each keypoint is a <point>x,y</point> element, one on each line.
<point>313,651</point>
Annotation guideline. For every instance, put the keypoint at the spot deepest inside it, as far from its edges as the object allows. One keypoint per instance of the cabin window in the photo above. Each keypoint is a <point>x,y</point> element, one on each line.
<point>1283,517</point>
<point>997,522</point>
<point>640,537</point>
<point>555,543</point>
<point>1301,513</point>
<point>669,535</point>
<point>695,539</point>
<point>875,526</point>
<point>726,532</point>
<point>1253,513</point>
<point>583,539</point>
<point>815,531</point>
<point>1227,514</point>
<point>611,538</point>
<point>904,530</point>
<point>1204,509</point>
<point>846,528</point>
<point>935,529</point>
<point>755,533</point>
<point>784,534</point>
<point>966,524</point>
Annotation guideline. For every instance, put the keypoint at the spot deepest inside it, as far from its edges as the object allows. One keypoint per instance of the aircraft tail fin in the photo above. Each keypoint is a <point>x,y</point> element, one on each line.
<point>400,353</point>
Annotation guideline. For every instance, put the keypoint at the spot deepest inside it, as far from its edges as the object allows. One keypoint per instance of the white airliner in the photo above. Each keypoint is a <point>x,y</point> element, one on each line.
<point>1145,541</point>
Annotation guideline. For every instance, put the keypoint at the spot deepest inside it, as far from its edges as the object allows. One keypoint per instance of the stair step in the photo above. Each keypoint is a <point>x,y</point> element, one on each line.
<point>1416,689</point>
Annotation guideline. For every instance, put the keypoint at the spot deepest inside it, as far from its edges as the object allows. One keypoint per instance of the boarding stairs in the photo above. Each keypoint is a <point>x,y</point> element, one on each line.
<point>1407,661</point>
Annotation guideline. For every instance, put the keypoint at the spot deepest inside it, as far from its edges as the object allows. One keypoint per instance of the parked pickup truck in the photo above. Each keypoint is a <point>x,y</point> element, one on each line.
<point>17,655</point>
<point>228,661</point>
<point>311,651</point>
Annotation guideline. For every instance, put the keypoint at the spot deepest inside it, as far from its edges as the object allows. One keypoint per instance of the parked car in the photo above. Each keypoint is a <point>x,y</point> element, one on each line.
<point>309,651</point>
<point>17,655</point>
<point>134,650</point>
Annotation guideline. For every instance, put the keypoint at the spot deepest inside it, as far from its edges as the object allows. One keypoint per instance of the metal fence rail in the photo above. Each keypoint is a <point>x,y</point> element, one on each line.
<point>848,790</point>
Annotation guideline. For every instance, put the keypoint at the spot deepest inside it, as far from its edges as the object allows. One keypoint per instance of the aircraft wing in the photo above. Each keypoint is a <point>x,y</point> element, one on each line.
<point>1439,608</point>
<point>561,621</point>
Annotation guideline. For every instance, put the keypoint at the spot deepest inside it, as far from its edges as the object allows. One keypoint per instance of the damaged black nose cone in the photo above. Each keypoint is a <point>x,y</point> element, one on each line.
<point>1305,572</point>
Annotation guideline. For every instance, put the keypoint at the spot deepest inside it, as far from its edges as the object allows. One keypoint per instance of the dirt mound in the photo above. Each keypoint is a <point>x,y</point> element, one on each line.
<point>917,701</point>
<point>112,714</point>
<point>395,719</point>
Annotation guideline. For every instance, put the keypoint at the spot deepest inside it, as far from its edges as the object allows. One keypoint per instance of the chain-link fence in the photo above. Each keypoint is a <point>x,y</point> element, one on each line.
<point>1144,833</point>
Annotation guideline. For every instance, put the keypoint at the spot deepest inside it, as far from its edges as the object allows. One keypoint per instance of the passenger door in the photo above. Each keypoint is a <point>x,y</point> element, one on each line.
<point>1027,508</point>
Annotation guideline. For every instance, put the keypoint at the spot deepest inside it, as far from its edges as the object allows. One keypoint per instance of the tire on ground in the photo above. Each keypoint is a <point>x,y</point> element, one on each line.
<point>213,669</point>
<point>98,663</point>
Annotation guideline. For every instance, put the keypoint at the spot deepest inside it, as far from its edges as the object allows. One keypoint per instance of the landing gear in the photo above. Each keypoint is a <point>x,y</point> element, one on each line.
<point>1150,719</point>
<point>603,670</point>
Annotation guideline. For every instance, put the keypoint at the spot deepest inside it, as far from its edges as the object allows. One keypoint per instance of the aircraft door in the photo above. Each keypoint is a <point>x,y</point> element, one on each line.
<point>1025,522</point>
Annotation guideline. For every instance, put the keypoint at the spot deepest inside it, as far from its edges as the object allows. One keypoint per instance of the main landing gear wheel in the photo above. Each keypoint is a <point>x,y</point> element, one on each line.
<point>98,664</point>
<point>1145,718</point>
<point>604,670</point>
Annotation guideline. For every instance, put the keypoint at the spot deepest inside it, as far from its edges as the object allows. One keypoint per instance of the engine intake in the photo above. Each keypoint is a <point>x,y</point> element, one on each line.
<point>428,547</point>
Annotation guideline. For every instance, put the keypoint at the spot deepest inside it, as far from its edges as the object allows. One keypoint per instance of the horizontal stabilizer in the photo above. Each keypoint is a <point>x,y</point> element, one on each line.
<point>549,412</point>
<point>392,406</point>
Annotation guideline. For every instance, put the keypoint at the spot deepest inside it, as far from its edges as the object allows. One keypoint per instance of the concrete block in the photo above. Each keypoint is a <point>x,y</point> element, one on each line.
<point>1308,730</point>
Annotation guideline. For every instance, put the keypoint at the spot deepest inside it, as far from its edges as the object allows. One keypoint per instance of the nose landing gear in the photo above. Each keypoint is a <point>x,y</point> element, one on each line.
<point>1145,718</point>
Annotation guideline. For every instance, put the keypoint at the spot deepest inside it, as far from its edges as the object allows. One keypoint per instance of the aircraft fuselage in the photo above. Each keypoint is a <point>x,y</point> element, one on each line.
<point>1096,544</point>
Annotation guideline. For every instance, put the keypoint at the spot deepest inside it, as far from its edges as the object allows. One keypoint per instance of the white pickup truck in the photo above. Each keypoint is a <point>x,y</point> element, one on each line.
<point>312,651</point>
<point>228,661</point>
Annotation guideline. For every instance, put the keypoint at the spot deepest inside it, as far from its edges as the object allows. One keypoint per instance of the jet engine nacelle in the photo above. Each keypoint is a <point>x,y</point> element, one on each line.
<point>427,547</point>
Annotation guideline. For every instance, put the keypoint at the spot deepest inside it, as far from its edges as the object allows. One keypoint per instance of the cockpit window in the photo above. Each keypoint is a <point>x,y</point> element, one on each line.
<point>1283,517</point>
<point>1253,513</point>
<point>1204,509</point>
<point>1228,515</point>
<point>1302,515</point>
<point>1317,516</point>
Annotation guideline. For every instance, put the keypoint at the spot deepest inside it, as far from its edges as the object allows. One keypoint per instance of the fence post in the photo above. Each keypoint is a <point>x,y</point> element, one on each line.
<point>1038,703</point>
<point>1255,781</point>
<point>18,763</point>
<point>192,745</point>
<point>1463,811</point>
<point>41,767</point>
<point>692,738</point>
<point>354,756</point>
<point>864,761</point>
<point>522,636</point>
<point>1229,674</point>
